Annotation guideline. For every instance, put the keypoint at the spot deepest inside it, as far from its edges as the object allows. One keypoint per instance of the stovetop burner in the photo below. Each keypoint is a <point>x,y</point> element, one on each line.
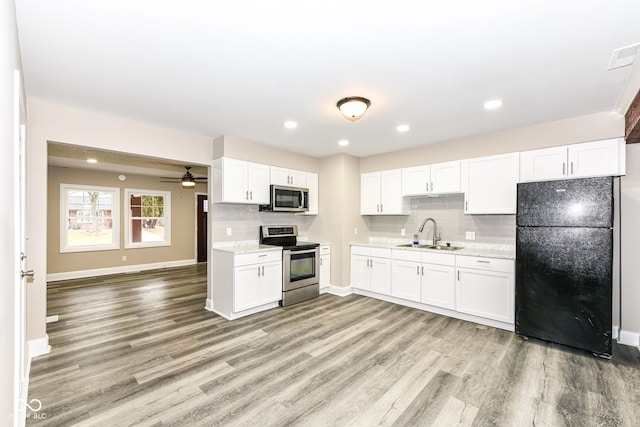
<point>285,236</point>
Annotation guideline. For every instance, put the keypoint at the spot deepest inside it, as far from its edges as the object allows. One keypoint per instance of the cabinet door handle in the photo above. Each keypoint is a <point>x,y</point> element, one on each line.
<point>422,270</point>
<point>251,195</point>
<point>246,195</point>
<point>258,271</point>
<point>263,270</point>
<point>484,262</point>
<point>458,275</point>
<point>431,186</point>
<point>418,270</point>
<point>564,166</point>
<point>466,206</point>
<point>381,207</point>
<point>571,168</point>
<point>426,184</point>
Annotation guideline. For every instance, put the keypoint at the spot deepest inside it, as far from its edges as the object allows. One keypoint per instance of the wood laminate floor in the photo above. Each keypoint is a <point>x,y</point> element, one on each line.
<point>139,349</point>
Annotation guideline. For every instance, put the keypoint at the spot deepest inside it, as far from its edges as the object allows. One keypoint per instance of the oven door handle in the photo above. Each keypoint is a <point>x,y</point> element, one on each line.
<point>306,251</point>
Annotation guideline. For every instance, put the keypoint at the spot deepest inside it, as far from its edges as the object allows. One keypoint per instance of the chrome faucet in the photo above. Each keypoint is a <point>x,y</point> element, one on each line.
<point>436,238</point>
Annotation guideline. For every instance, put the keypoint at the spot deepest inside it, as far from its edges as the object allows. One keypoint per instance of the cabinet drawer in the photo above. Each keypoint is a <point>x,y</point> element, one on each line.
<point>405,255</point>
<point>257,257</point>
<point>381,252</point>
<point>325,249</point>
<point>360,250</point>
<point>441,259</point>
<point>482,263</point>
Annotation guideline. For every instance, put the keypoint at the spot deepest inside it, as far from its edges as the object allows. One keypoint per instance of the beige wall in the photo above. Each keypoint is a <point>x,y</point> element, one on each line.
<point>630,227</point>
<point>182,222</point>
<point>570,131</point>
<point>339,205</point>
<point>242,149</point>
<point>58,123</point>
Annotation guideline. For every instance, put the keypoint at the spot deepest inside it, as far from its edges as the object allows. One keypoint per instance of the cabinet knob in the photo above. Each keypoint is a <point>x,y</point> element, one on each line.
<point>28,273</point>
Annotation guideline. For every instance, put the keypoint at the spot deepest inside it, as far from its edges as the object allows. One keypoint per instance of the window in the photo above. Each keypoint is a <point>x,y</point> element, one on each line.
<point>88,217</point>
<point>148,218</point>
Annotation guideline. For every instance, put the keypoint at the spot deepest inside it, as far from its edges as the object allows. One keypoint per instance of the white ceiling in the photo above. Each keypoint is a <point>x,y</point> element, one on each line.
<point>243,67</point>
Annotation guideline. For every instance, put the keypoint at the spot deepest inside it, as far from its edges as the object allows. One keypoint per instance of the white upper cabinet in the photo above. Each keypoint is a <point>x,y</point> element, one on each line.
<point>416,180</point>
<point>439,178</point>
<point>490,183</point>
<point>597,158</point>
<point>290,177</point>
<point>312,185</point>
<point>239,181</point>
<point>381,193</point>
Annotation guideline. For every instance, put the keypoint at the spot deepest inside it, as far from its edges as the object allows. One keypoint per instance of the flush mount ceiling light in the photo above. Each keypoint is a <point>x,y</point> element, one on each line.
<point>343,142</point>
<point>403,128</point>
<point>353,107</point>
<point>290,124</point>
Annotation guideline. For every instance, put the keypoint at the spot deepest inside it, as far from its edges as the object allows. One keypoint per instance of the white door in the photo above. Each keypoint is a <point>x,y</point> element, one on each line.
<point>547,163</point>
<point>380,278</point>
<point>20,190</point>
<point>391,191</point>
<point>270,282</point>
<point>234,181</point>
<point>594,158</point>
<point>258,183</point>
<point>439,285</point>
<point>246,290</point>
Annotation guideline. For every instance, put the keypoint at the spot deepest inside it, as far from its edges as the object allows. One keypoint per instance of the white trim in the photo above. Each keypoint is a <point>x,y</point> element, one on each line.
<point>208,305</point>
<point>38,347</point>
<point>79,274</point>
<point>437,310</point>
<point>243,313</point>
<point>128,244</point>
<point>339,290</point>
<point>615,330</point>
<point>64,213</point>
<point>195,219</point>
<point>629,338</point>
<point>24,393</point>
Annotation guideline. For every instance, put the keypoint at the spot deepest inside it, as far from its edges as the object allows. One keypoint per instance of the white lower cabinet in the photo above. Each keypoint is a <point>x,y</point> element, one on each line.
<point>424,277</point>
<point>371,269</point>
<point>243,284</point>
<point>485,287</point>
<point>479,289</point>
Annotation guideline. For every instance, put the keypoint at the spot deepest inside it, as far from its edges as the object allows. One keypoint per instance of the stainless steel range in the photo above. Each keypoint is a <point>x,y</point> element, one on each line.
<point>300,263</point>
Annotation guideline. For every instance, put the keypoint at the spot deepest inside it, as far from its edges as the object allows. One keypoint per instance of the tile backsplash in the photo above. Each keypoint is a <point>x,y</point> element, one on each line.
<point>448,211</point>
<point>245,221</point>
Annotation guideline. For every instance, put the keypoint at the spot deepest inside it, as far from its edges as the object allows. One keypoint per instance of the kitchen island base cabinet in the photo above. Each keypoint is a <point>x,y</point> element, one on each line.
<point>244,284</point>
<point>485,288</point>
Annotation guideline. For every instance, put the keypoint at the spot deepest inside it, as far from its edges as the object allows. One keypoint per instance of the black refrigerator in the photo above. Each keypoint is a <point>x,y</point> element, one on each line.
<point>564,262</point>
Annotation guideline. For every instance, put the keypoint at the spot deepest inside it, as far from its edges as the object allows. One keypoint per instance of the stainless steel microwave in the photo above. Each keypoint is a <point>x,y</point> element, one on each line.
<point>287,199</point>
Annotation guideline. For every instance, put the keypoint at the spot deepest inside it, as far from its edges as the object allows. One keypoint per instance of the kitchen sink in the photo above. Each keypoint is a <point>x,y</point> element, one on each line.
<point>436,247</point>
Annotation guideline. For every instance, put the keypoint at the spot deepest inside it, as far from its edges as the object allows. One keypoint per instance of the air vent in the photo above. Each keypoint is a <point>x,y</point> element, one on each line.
<point>623,56</point>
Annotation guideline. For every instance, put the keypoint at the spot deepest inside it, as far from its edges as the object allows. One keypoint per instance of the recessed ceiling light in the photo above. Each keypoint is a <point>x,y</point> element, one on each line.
<point>92,161</point>
<point>290,124</point>
<point>403,128</point>
<point>493,104</point>
<point>343,142</point>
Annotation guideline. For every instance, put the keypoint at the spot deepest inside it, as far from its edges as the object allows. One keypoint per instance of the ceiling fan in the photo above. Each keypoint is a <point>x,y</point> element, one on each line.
<point>187,180</point>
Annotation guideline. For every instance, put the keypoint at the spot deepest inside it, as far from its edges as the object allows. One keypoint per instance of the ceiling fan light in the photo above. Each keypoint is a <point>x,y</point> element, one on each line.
<point>188,181</point>
<point>353,107</point>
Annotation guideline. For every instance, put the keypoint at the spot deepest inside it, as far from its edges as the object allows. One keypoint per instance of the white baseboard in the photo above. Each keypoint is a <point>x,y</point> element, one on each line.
<point>339,290</point>
<point>629,338</point>
<point>79,274</point>
<point>615,330</point>
<point>208,305</point>
<point>38,347</point>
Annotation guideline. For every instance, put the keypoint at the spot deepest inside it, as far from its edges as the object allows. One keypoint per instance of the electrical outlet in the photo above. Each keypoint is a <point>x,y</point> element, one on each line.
<point>124,257</point>
<point>229,231</point>
<point>470,235</point>
<point>355,230</point>
<point>403,232</point>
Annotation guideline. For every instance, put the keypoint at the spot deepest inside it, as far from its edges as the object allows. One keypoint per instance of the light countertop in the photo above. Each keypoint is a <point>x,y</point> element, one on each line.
<point>245,247</point>
<point>481,250</point>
